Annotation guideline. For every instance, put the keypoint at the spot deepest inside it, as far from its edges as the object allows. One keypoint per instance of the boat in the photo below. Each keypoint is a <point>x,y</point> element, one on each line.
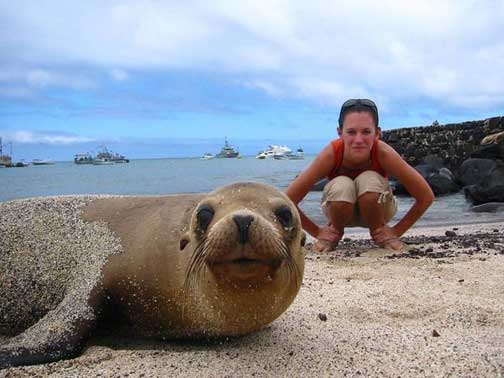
<point>261,155</point>
<point>83,158</point>
<point>102,161</point>
<point>104,157</point>
<point>281,156</point>
<point>42,162</point>
<point>276,152</point>
<point>19,164</point>
<point>207,156</point>
<point>298,156</point>
<point>227,151</point>
<point>108,155</point>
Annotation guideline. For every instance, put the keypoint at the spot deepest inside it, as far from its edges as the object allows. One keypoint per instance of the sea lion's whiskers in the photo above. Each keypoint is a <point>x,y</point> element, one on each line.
<point>195,266</point>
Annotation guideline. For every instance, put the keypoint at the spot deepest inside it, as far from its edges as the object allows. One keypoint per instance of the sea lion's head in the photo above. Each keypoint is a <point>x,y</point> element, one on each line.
<point>247,246</point>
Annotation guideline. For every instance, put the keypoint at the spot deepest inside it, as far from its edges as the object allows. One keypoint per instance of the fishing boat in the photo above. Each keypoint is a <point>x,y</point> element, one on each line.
<point>227,151</point>
<point>108,155</point>
<point>207,156</point>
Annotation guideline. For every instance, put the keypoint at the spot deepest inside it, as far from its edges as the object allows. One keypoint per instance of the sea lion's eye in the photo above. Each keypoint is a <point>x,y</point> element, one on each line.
<point>284,215</point>
<point>204,216</point>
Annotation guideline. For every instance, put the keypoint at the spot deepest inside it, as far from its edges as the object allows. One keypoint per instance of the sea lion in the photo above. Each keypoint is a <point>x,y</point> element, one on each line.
<point>180,266</point>
<point>495,138</point>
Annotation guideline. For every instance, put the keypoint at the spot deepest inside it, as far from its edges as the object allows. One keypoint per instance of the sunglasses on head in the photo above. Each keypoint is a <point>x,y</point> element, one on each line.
<point>360,103</point>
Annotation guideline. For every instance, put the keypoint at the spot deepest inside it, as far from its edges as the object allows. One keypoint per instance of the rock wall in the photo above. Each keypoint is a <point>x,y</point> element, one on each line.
<point>453,143</point>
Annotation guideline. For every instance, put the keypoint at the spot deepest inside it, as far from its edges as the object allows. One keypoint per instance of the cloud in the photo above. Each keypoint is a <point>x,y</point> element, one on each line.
<point>119,75</point>
<point>49,138</point>
<point>37,78</point>
<point>322,51</point>
<point>16,92</point>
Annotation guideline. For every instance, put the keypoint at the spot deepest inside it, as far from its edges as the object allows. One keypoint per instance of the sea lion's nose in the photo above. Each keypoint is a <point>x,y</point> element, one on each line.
<point>243,222</point>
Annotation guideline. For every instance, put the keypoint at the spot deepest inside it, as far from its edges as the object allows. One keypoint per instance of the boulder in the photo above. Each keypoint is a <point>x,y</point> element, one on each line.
<point>441,181</point>
<point>489,207</point>
<point>472,171</point>
<point>490,151</point>
<point>490,189</point>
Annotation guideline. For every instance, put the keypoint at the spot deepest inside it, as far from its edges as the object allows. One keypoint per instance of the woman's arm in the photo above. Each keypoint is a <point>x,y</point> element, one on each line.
<point>302,184</point>
<point>414,183</point>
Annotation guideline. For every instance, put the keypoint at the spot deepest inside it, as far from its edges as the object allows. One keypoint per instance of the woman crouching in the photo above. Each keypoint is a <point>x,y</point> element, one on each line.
<point>358,193</point>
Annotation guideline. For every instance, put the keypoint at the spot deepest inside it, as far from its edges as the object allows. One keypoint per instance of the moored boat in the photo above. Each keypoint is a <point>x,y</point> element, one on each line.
<point>276,151</point>
<point>227,151</point>
<point>261,155</point>
<point>108,155</point>
<point>102,161</point>
<point>83,159</point>
<point>298,156</point>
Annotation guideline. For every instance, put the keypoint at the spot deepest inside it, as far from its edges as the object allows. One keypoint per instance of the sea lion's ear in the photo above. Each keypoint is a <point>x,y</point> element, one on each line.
<point>184,240</point>
<point>303,239</point>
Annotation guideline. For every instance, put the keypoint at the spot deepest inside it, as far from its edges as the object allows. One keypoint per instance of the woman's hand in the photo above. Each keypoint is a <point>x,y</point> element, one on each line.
<point>328,239</point>
<point>385,237</point>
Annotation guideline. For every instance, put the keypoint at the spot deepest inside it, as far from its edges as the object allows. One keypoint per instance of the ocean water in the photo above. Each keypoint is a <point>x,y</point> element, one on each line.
<point>170,176</point>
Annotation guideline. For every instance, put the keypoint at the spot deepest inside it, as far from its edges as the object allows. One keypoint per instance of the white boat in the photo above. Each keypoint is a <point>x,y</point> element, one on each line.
<point>277,152</point>
<point>207,156</point>
<point>42,162</point>
<point>261,155</point>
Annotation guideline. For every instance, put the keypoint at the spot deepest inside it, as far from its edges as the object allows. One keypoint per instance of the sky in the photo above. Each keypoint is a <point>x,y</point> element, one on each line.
<point>154,79</point>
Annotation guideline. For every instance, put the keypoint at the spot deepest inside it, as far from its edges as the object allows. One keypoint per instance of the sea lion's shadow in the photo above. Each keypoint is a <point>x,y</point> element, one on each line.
<point>108,339</point>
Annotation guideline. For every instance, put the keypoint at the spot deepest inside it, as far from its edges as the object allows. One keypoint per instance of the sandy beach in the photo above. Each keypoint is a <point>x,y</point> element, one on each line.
<point>435,310</point>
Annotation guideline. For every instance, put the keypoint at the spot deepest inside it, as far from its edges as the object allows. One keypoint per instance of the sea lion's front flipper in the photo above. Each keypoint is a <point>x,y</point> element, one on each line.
<point>58,335</point>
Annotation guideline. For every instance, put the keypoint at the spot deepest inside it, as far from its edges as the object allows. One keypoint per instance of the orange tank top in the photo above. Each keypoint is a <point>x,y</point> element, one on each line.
<point>339,147</point>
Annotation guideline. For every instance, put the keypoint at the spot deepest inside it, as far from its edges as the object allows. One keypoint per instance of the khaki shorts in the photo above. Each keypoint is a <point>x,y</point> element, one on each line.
<point>344,189</point>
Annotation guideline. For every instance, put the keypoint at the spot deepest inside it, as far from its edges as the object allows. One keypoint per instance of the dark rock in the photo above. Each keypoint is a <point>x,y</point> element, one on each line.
<point>322,317</point>
<point>490,151</point>
<point>441,180</point>
<point>450,233</point>
<point>490,189</point>
<point>472,171</point>
<point>490,207</point>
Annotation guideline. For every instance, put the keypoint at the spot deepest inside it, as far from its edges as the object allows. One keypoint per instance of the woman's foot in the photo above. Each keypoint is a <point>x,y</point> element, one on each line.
<point>324,246</point>
<point>383,237</point>
<point>328,239</point>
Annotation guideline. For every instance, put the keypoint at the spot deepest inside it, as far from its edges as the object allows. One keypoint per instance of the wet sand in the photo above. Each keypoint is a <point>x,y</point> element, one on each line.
<point>434,310</point>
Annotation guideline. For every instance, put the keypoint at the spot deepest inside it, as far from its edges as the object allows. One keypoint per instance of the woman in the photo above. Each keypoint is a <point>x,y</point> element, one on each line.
<point>358,193</point>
